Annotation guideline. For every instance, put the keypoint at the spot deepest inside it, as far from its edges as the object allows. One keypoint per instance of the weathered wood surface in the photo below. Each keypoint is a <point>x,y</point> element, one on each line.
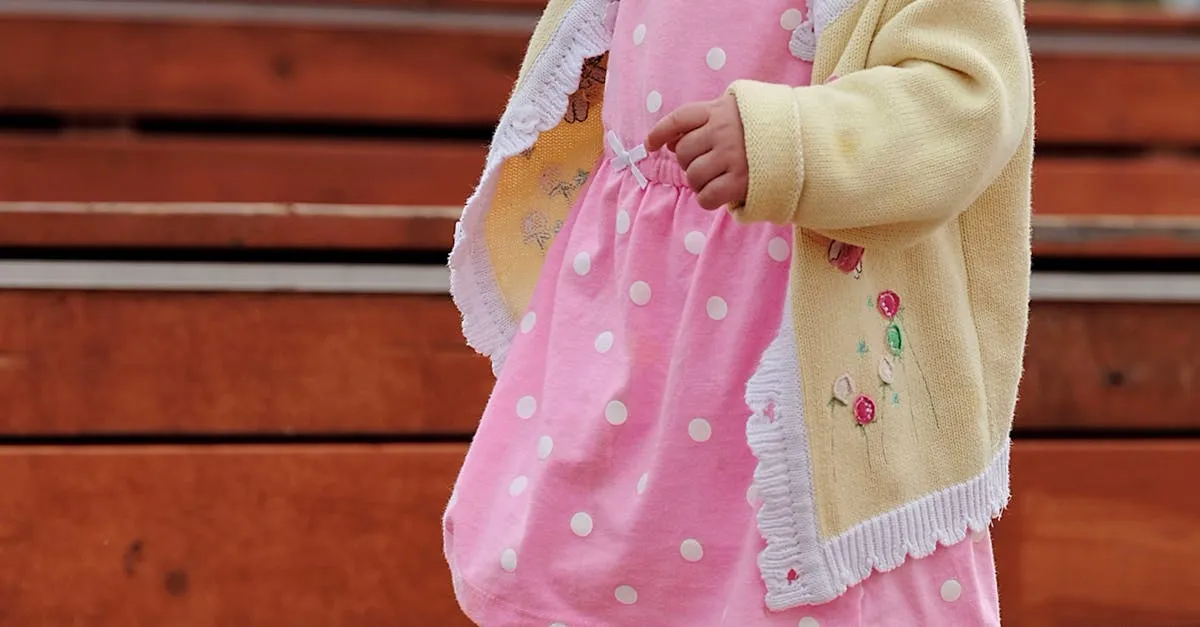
<point>1101,534</point>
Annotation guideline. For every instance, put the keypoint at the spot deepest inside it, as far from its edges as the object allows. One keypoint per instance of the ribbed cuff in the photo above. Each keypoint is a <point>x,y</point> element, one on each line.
<point>771,121</point>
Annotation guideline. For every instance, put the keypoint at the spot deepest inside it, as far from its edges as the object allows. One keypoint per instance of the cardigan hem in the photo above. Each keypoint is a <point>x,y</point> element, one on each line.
<point>797,566</point>
<point>535,107</point>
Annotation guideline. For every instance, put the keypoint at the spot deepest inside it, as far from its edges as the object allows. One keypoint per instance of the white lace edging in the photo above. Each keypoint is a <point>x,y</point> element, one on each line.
<point>536,106</point>
<point>778,436</point>
<point>787,519</point>
<point>824,12</point>
<point>916,529</point>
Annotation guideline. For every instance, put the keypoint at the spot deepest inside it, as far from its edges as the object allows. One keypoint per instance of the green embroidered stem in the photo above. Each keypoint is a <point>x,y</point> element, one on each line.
<point>867,444</point>
<point>924,381</point>
<point>912,419</point>
<point>832,446</point>
<point>928,393</point>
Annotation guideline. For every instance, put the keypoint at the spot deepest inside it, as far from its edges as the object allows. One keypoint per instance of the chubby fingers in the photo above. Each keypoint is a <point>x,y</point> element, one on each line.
<point>678,123</point>
<point>718,192</point>
<point>703,170</point>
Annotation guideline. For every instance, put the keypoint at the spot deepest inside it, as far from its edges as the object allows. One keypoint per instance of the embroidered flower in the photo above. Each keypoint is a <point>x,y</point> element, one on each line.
<point>538,230</point>
<point>895,339</point>
<point>864,410</point>
<point>887,372</point>
<point>792,575</point>
<point>845,257</point>
<point>888,303</point>
<point>843,389</point>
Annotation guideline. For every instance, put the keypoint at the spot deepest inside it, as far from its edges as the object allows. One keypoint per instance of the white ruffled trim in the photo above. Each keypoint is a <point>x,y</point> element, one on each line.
<point>824,12</point>
<point>787,519</point>
<point>778,436</point>
<point>536,106</point>
<point>803,43</point>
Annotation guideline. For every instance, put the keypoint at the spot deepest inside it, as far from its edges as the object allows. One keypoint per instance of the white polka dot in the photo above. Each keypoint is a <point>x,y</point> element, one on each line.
<point>791,19</point>
<point>582,263</point>
<point>622,222</point>
<point>558,625</point>
<point>694,242</point>
<point>717,308</point>
<point>545,446</point>
<point>809,621</point>
<point>581,524</point>
<point>639,34</point>
<point>508,560</point>
<point>653,102</point>
<point>691,550</point>
<point>951,590</point>
<point>752,495</point>
<point>700,430</point>
<point>616,413</point>
<point>518,485</point>
<point>639,293</point>
<point>526,406</point>
<point>777,248</point>
<point>604,342</point>
<point>626,595</point>
<point>528,321</point>
<point>642,483</point>
<point>715,59</point>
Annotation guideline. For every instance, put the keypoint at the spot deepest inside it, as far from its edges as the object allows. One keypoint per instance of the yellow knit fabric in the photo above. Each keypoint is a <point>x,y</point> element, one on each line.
<point>920,152</point>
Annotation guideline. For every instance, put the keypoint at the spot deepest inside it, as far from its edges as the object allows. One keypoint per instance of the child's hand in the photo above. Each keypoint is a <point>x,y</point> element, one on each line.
<point>708,140</point>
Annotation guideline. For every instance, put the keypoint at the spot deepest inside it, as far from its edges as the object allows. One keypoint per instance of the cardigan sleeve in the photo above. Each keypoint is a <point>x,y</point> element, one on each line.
<point>883,156</point>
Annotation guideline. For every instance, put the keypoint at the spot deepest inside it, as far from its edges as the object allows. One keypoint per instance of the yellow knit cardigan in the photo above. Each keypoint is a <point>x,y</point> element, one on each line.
<point>880,415</point>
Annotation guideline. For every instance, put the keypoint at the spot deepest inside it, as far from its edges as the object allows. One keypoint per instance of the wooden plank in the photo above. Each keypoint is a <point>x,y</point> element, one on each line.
<point>127,169</point>
<point>116,68</point>
<point>1106,16</point>
<point>1111,366</point>
<point>1097,534</point>
<point>1106,99</point>
<point>1101,534</point>
<point>214,537</point>
<point>279,70</point>
<point>121,362</point>
<point>1151,185</point>
<point>420,186</point>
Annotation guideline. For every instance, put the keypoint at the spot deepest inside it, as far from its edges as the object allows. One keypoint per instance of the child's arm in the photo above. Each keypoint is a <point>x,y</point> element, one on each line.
<point>884,156</point>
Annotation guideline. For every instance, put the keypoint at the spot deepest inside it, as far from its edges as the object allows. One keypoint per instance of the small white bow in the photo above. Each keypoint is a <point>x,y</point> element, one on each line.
<point>628,158</point>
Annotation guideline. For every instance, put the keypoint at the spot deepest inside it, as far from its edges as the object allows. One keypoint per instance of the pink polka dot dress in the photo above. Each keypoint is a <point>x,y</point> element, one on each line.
<point>610,482</point>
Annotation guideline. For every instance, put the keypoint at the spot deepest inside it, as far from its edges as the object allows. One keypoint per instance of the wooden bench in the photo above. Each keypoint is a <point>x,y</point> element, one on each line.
<point>236,393</point>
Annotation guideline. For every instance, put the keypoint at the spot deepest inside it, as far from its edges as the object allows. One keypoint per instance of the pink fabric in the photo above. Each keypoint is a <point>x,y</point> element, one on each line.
<point>609,483</point>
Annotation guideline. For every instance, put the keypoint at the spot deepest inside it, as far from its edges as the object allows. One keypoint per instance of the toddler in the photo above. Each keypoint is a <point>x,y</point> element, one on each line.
<point>754,281</point>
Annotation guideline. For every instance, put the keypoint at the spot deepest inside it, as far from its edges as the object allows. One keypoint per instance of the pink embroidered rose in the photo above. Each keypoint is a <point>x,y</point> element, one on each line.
<point>888,303</point>
<point>864,410</point>
<point>845,257</point>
